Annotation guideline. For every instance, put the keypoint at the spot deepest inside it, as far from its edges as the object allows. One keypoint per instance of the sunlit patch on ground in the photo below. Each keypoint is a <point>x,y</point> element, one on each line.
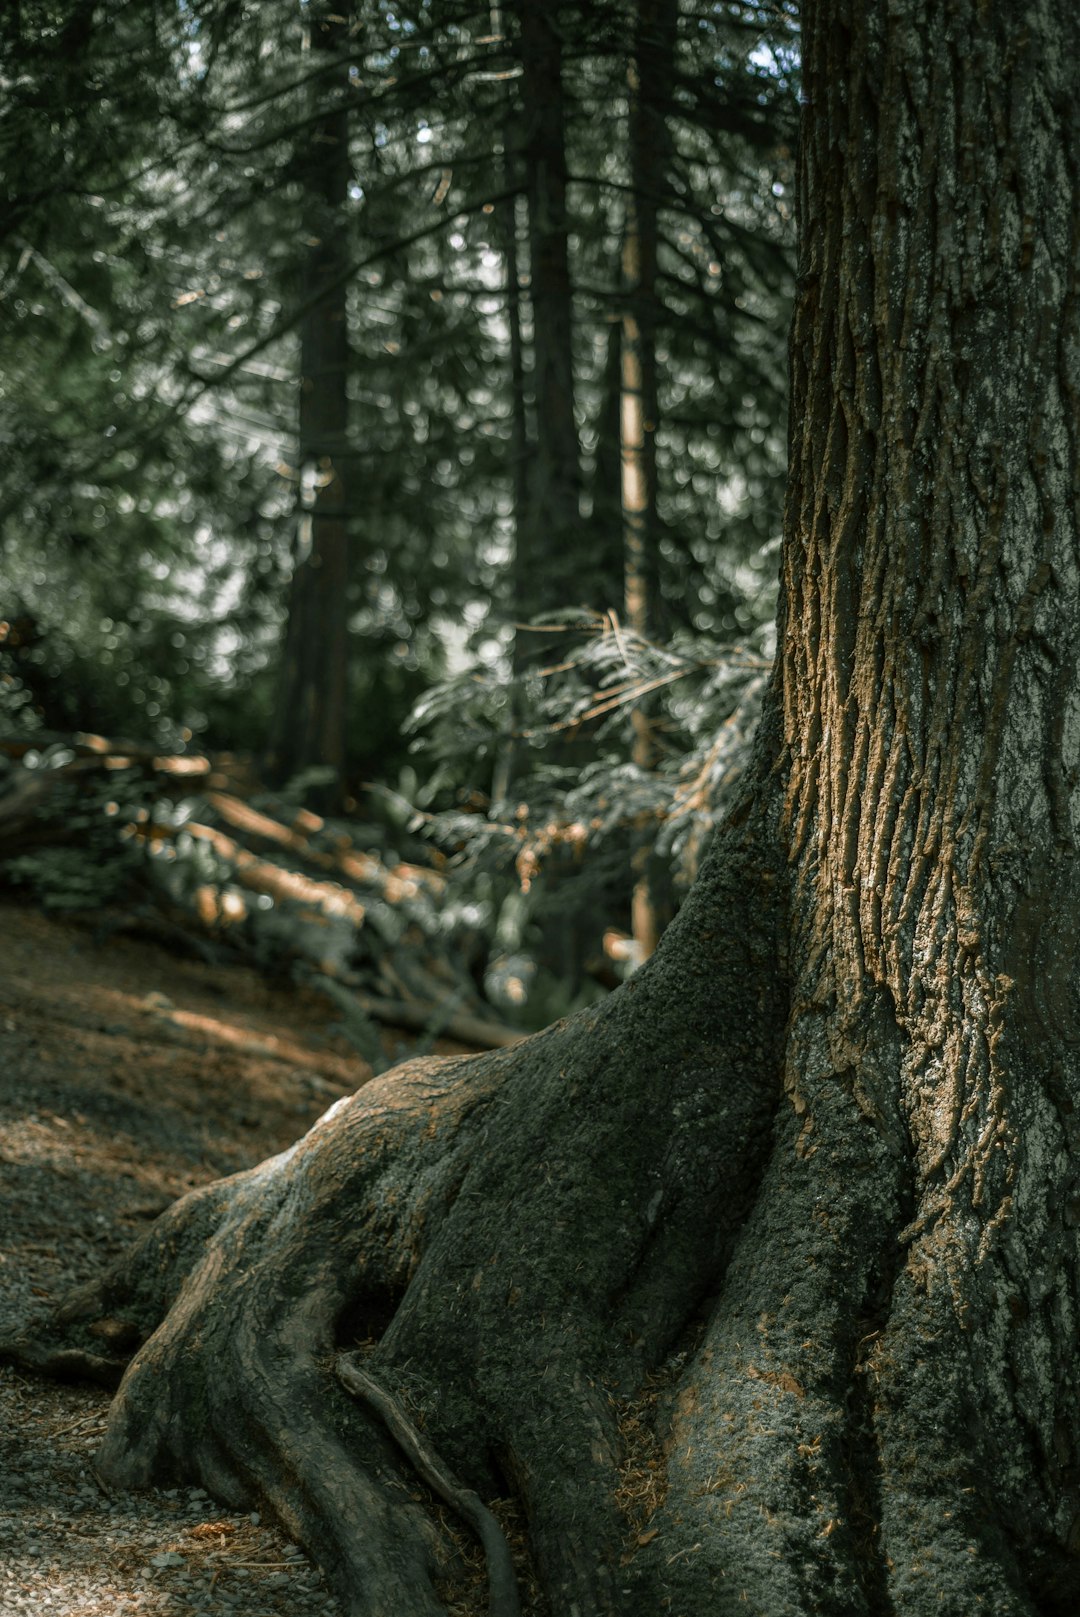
<point>126,1077</point>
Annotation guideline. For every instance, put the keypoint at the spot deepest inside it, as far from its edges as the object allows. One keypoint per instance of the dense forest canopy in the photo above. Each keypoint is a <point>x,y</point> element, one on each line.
<point>319,329</point>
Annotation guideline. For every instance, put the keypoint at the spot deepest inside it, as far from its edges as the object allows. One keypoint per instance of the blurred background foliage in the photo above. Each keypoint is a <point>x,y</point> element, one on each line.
<point>192,190</point>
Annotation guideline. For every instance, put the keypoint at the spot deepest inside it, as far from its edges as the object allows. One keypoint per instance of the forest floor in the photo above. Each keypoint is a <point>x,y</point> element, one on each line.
<point>128,1076</point>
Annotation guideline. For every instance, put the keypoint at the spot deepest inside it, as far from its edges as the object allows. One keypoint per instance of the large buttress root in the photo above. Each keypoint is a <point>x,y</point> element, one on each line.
<point>770,1502</point>
<point>874,1421</point>
<point>249,1280</point>
<point>518,1241</point>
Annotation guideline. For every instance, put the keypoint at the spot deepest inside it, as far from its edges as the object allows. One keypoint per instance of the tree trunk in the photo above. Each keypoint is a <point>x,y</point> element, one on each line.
<point>549,538</point>
<point>649,90</point>
<point>605,485</point>
<point>521,447</point>
<point>801,1199</point>
<point>649,86</point>
<point>311,721</point>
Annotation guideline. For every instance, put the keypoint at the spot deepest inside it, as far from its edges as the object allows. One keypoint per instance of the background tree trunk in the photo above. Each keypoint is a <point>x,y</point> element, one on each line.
<point>606,539</point>
<point>649,86</point>
<point>549,538</point>
<point>521,442</point>
<point>800,1200</point>
<point>310,728</point>
<point>649,89</point>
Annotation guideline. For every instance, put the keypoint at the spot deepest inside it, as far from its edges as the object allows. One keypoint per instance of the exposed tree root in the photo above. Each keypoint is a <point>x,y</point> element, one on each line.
<point>504,1600</point>
<point>62,1364</point>
<point>843,1439</point>
<point>762,1462</point>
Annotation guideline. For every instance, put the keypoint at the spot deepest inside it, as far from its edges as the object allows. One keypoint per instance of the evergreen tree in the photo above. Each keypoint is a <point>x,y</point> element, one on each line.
<point>807,1183</point>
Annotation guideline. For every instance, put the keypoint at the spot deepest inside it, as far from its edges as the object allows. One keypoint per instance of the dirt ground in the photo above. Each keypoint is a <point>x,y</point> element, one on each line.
<point>127,1076</point>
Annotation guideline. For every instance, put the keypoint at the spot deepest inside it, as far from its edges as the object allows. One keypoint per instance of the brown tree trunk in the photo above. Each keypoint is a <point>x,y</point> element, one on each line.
<point>649,86</point>
<point>802,1197</point>
<point>521,448</point>
<point>882,1414</point>
<point>310,728</point>
<point>548,540</point>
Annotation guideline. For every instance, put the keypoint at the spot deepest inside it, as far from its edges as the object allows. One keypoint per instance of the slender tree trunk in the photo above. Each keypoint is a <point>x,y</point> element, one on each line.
<point>550,540</point>
<point>552,534</point>
<point>521,454</point>
<point>649,87</point>
<point>760,1283</point>
<point>311,724</point>
<point>520,439</point>
<point>521,445</point>
<point>649,91</point>
<point>607,540</point>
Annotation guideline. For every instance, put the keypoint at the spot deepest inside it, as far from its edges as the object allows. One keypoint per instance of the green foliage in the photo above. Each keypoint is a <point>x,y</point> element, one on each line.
<point>155,212</point>
<point>702,702</point>
<point>148,336</point>
<point>95,865</point>
<point>548,867</point>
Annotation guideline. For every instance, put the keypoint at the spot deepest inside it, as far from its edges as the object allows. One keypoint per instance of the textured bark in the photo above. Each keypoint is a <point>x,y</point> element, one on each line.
<point>883,1413</point>
<point>810,1178</point>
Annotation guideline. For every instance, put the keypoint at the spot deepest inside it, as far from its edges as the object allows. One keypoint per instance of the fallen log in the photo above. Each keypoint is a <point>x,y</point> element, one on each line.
<point>325,919</point>
<point>261,876</point>
<point>395,883</point>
